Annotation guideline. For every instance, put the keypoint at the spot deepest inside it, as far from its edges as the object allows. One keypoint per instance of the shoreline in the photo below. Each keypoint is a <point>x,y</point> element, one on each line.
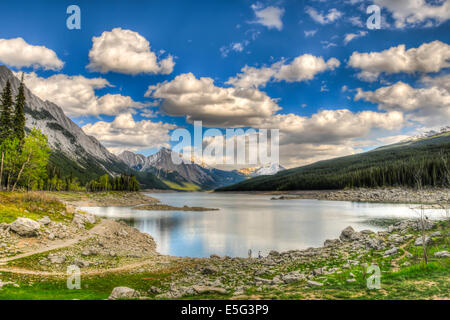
<point>440,196</point>
<point>110,251</point>
<point>136,200</point>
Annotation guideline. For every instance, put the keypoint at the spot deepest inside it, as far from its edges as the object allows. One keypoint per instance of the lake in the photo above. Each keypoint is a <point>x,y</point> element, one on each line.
<point>247,221</point>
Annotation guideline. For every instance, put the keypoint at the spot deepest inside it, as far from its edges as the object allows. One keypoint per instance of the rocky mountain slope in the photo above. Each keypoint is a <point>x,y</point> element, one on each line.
<point>72,150</point>
<point>266,170</point>
<point>162,166</point>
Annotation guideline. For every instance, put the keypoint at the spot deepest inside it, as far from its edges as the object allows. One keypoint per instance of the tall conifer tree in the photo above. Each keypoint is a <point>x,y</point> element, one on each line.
<point>19,113</point>
<point>6,105</point>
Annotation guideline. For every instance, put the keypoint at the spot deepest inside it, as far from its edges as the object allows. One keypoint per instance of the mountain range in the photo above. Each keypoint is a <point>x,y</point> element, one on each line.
<point>83,156</point>
<point>185,176</point>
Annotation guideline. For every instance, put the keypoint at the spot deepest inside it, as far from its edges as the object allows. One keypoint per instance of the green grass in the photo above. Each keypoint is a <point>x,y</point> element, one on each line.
<point>417,281</point>
<point>185,186</point>
<point>92,287</point>
<point>32,205</point>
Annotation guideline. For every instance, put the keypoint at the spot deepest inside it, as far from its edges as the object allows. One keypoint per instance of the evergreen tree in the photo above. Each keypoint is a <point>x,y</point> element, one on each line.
<point>19,114</point>
<point>6,105</point>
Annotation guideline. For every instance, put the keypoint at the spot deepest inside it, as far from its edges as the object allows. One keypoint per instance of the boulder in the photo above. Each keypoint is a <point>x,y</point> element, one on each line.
<point>89,252</point>
<point>25,227</point>
<point>209,270</point>
<point>58,259</point>
<point>391,252</point>
<point>154,290</point>
<point>274,253</point>
<point>424,225</point>
<point>292,277</point>
<point>81,263</point>
<point>442,254</point>
<point>419,241</point>
<point>262,280</point>
<point>331,243</point>
<point>347,233</point>
<point>375,244</point>
<point>44,221</point>
<point>80,220</point>
<point>318,271</point>
<point>207,289</point>
<point>312,283</point>
<point>123,293</point>
<point>4,226</point>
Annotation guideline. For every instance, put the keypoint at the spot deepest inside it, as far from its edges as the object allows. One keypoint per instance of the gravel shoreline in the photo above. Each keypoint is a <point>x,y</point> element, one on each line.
<point>386,195</point>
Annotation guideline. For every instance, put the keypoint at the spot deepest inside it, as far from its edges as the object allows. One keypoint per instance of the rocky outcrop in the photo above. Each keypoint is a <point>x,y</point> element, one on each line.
<point>25,227</point>
<point>442,254</point>
<point>419,241</point>
<point>347,234</point>
<point>123,293</point>
<point>391,252</point>
<point>206,289</point>
<point>80,220</point>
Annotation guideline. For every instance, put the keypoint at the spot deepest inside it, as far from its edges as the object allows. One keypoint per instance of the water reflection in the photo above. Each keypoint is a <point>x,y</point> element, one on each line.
<point>252,222</point>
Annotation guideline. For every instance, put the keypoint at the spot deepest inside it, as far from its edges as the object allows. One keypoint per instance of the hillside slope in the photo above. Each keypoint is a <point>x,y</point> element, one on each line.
<point>72,150</point>
<point>398,164</point>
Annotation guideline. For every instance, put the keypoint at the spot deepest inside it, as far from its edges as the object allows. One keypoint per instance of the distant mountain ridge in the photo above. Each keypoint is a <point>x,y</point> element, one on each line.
<point>187,172</point>
<point>428,134</point>
<point>267,170</point>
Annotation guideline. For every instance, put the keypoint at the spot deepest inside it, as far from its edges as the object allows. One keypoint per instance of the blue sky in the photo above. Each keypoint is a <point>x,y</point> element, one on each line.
<point>215,40</point>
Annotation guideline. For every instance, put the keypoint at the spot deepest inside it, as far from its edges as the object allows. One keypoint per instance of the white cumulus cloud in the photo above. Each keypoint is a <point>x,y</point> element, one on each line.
<point>414,12</point>
<point>302,68</point>
<point>429,105</point>
<point>429,57</point>
<point>305,67</point>
<point>124,133</point>
<point>269,16</point>
<point>76,94</point>
<point>126,51</point>
<point>201,99</point>
<point>18,53</point>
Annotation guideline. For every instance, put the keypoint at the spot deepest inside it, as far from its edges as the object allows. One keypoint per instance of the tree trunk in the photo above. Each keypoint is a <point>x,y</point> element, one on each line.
<point>8,179</point>
<point>20,173</point>
<point>1,172</point>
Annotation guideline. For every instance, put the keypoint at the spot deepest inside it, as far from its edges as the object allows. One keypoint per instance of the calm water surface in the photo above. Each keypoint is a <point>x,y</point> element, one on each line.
<point>252,222</point>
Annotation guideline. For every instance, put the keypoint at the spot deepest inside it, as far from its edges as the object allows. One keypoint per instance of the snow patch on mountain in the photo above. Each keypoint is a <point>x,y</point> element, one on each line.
<point>428,134</point>
<point>267,170</point>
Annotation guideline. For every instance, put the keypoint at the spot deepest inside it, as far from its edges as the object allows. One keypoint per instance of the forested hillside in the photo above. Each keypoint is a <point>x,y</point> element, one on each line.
<point>425,161</point>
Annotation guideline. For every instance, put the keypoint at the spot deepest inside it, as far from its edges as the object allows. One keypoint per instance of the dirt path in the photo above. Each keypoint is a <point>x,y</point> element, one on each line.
<point>405,252</point>
<point>124,268</point>
<point>104,227</point>
<point>97,229</point>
